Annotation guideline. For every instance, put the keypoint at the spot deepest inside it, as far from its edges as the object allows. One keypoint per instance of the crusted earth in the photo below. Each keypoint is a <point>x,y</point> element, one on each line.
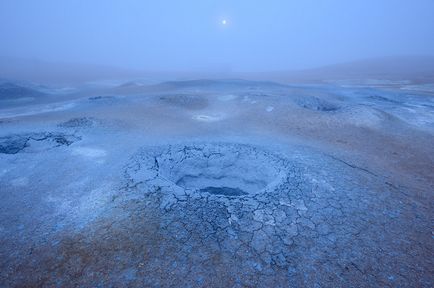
<point>17,143</point>
<point>234,184</point>
<point>82,122</point>
<point>217,169</point>
<point>307,225</point>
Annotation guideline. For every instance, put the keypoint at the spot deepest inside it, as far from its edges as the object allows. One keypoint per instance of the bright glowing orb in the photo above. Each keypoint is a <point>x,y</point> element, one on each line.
<point>224,22</point>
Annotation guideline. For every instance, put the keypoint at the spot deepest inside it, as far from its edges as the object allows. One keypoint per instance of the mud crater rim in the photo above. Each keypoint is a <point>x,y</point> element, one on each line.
<point>229,170</point>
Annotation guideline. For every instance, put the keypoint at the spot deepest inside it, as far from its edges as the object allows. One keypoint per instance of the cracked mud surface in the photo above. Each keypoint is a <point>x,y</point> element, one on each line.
<point>142,192</point>
<point>83,122</point>
<point>17,143</point>
<point>309,227</point>
<point>246,169</point>
<point>316,221</point>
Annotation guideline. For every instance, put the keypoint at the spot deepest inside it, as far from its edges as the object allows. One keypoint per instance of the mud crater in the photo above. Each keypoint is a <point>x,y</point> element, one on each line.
<point>221,169</point>
<point>317,104</point>
<point>16,143</point>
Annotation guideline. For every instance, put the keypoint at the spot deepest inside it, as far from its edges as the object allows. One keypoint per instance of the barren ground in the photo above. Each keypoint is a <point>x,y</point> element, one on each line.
<point>218,184</point>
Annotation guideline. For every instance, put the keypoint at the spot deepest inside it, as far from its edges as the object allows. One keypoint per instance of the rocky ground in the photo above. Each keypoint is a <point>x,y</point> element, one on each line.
<point>218,184</point>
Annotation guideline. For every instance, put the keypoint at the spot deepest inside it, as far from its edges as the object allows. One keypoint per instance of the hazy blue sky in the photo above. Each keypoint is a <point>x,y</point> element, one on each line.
<point>187,34</point>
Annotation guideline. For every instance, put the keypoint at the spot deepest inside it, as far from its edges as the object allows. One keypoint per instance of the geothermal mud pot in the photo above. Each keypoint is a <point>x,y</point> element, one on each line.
<point>235,197</point>
<point>255,218</point>
<point>214,214</point>
<point>229,170</point>
<point>218,184</point>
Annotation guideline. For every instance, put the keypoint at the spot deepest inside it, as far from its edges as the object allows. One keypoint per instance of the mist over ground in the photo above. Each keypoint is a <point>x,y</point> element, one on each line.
<point>189,37</point>
<point>216,143</point>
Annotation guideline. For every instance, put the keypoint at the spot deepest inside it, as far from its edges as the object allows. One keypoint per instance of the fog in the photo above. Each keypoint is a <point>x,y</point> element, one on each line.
<point>226,143</point>
<point>188,35</point>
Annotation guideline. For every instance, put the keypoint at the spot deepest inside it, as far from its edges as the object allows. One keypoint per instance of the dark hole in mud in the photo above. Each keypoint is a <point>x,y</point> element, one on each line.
<point>186,101</point>
<point>316,104</point>
<point>327,108</point>
<point>225,191</point>
<point>83,122</point>
<point>14,144</point>
<point>231,184</point>
<point>324,108</point>
<point>229,170</point>
<point>95,98</point>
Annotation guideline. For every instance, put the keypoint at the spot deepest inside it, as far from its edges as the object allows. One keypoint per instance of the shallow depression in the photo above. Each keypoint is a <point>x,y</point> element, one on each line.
<point>220,169</point>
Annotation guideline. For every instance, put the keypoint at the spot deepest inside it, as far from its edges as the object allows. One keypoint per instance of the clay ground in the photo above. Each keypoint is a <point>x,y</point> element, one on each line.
<point>218,184</point>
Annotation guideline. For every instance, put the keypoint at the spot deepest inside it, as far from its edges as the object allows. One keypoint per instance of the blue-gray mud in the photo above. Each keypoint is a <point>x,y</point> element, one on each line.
<point>210,184</point>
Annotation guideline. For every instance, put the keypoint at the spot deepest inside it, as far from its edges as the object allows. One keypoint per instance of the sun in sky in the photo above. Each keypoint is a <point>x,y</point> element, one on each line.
<point>224,22</point>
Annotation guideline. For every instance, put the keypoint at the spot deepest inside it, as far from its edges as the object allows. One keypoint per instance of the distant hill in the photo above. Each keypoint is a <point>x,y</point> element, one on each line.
<point>46,72</point>
<point>12,91</point>
<point>206,83</point>
<point>415,69</point>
